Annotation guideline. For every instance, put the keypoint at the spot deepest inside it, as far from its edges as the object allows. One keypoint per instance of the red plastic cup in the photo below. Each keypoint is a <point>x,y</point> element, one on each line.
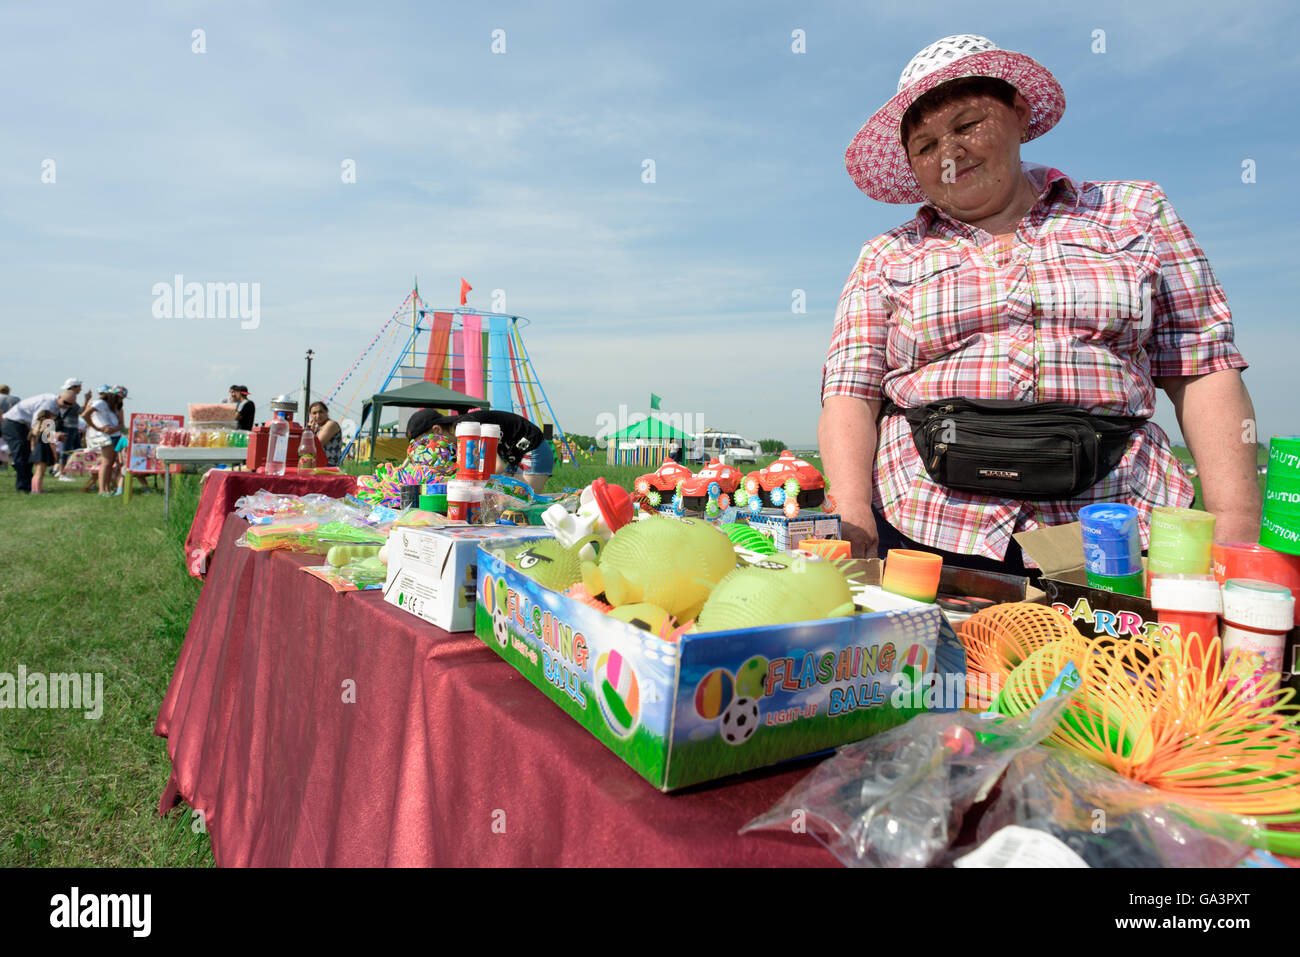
<point>1193,605</point>
<point>1260,563</point>
<point>469,449</point>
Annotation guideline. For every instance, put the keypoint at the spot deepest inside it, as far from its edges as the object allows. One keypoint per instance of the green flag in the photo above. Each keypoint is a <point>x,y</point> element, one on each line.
<point>654,402</point>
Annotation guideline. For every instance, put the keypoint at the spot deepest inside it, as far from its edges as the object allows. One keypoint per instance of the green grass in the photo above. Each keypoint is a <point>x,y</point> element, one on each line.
<point>88,584</point>
<point>1184,456</point>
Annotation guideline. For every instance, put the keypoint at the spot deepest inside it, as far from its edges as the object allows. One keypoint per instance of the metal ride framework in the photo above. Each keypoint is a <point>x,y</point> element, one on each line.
<point>469,350</point>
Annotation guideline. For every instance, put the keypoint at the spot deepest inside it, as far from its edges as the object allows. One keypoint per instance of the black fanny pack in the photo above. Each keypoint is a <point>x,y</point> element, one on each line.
<point>1021,450</point>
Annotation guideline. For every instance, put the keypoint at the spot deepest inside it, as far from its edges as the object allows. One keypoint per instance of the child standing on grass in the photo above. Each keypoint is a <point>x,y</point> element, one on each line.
<point>43,439</point>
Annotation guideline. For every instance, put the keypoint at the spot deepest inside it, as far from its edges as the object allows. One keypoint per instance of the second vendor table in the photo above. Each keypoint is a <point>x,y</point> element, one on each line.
<point>314,728</point>
<point>224,487</point>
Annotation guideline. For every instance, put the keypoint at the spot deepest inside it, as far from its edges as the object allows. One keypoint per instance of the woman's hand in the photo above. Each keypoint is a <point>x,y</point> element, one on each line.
<point>858,527</point>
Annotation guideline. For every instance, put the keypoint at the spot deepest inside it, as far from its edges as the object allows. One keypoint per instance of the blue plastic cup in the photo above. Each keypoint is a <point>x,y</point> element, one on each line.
<point>1112,540</point>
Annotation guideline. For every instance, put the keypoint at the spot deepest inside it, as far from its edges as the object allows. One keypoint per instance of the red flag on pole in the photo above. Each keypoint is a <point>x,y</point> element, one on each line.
<point>464,290</point>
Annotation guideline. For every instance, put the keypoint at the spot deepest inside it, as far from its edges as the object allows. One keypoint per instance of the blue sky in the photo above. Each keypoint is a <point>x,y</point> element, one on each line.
<point>522,172</point>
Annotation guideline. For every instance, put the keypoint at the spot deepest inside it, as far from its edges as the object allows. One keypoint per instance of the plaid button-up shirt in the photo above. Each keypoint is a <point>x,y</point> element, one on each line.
<point>1105,288</point>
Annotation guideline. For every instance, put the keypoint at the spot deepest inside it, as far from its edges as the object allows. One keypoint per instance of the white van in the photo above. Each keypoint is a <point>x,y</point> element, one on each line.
<point>712,445</point>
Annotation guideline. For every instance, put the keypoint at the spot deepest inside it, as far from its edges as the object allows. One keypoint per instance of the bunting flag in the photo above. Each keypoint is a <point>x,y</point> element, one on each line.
<point>464,290</point>
<point>435,364</point>
<point>499,364</point>
<point>457,360</point>
<point>471,329</point>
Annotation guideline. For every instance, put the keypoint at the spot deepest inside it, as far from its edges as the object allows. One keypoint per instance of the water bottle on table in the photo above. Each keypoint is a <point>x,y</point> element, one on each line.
<point>277,445</point>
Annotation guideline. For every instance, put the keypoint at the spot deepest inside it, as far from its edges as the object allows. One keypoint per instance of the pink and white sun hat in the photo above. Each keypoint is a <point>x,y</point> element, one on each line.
<point>876,159</point>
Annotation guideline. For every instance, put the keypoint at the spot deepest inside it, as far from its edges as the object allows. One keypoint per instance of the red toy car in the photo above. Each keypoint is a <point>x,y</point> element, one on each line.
<point>663,481</point>
<point>812,487</point>
<point>695,490</point>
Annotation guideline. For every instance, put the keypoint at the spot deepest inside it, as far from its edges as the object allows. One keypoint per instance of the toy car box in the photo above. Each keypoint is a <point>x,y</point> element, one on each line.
<point>707,706</point>
<point>432,571</point>
<point>787,533</point>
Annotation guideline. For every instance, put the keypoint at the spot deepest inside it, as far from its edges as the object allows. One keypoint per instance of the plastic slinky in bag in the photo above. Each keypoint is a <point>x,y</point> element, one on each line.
<point>905,798</point>
<point>1106,819</point>
<point>898,799</point>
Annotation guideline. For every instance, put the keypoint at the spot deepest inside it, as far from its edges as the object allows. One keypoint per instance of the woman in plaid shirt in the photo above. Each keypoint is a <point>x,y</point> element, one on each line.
<point>1016,282</point>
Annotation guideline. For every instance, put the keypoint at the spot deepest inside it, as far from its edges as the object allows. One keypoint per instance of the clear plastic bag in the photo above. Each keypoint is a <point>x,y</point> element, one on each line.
<point>1109,820</point>
<point>269,508</point>
<point>897,799</point>
<point>496,503</point>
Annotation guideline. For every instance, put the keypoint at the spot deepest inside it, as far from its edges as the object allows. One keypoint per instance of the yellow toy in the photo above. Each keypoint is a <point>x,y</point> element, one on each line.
<point>776,590</point>
<point>670,562</point>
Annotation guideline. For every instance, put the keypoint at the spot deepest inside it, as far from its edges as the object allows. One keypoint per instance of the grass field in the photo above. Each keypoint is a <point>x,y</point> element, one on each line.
<point>88,584</point>
<point>91,585</point>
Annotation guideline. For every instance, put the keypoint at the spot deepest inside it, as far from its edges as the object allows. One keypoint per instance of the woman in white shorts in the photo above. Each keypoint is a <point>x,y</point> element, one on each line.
<point>105,429</point>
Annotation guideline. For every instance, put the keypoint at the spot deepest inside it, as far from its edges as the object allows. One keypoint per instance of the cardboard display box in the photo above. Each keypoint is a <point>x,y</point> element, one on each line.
<point>1058,550</point>
<point>432,572</point>
<point>707,706</point>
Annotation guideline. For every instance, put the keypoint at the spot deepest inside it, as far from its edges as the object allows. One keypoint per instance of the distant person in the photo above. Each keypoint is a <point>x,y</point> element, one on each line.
<point>244,407</point>
<point>124,445</point>
<point>42,440</point>
<point>519,438</point>
<point>537,466</point>
<point>70,424</point>
<point>104,418</point>
<point>675,450</point>
<point>7,402</point>
<point>17,428</point>
<point>328,433</point>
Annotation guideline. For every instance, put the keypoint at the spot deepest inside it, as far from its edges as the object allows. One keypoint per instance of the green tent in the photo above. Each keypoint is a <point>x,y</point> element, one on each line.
<point>653,429</point>
<point>417,395</point>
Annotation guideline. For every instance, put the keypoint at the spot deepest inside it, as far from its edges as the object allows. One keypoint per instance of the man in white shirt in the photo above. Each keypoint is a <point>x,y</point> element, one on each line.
<point>17,426</point>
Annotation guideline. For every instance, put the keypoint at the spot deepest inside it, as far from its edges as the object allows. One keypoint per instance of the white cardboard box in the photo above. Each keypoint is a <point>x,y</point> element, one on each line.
<point>433,572</point>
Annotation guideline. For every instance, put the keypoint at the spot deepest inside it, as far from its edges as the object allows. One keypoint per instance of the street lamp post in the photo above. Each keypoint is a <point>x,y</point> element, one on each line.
<point>306,397</point>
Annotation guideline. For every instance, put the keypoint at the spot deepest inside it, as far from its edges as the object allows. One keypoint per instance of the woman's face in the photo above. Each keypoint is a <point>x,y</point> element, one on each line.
<point>966,155</point>
<point>319,416</point>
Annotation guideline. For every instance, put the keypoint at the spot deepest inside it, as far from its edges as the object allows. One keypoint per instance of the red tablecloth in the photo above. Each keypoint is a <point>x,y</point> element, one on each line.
<point>447,755</point>
<point>223,488</point>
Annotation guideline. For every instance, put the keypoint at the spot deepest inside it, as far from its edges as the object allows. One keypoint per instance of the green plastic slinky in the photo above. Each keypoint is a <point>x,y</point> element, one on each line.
<point>746,537</point>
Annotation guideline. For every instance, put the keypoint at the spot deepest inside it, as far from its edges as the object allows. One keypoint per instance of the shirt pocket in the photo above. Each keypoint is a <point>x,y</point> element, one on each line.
<point>931,316</point>
<point>1100,284</point>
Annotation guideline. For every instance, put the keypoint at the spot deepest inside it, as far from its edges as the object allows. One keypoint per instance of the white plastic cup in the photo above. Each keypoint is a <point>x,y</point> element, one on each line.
<point>460,498</point>
<point>1256,618</point>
